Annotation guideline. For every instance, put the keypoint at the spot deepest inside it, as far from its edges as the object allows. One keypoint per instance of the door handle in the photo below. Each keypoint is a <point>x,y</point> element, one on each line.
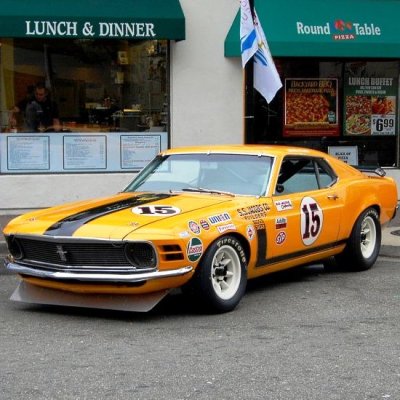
<point>333,196</point>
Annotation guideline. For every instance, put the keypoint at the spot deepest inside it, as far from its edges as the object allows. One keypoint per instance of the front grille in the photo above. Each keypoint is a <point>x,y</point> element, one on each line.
<point>89,255</point>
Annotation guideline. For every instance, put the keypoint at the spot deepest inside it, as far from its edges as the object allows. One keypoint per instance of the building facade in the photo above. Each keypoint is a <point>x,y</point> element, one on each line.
<point>132,78</point>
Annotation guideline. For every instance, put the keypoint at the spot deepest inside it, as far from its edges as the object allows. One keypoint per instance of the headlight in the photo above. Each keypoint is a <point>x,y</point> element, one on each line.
<point>14,247</point>
<point>141,255</point>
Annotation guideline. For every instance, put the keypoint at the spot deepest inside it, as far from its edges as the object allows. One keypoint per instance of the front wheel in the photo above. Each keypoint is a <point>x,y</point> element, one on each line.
<point>220,279</point>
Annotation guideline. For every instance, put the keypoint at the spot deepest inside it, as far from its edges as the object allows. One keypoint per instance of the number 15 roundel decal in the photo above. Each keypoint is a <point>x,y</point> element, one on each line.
<point>312,220</point>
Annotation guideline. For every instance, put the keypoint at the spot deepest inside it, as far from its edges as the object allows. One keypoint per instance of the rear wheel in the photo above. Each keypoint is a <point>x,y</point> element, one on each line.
<point>220,280</point>
<point>363,246</point>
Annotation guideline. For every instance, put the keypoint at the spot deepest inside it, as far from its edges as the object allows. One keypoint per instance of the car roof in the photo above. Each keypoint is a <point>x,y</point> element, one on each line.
<point>270,150</point>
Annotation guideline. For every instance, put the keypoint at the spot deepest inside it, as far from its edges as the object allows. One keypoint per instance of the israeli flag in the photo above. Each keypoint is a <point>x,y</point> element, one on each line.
<point>248,36</point>
<point>266,78</point>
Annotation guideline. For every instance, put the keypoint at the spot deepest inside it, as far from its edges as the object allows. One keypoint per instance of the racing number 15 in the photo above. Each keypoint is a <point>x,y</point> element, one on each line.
<point>312,220</point>
<point>156,210</point>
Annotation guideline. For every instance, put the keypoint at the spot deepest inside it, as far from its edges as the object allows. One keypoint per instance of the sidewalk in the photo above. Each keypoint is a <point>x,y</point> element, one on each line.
<point>390,236</point>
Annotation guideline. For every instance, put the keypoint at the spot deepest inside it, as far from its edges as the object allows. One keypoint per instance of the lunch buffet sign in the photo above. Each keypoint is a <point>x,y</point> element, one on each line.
<point>370,102</point>
<point>311,107</point>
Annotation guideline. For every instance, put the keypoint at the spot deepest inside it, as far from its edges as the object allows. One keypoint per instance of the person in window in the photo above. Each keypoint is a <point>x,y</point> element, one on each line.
<point>17,113</point>
<point>41,114</point>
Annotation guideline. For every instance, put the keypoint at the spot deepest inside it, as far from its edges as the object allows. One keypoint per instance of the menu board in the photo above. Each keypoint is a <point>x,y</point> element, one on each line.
<point>28,152</point>
<point>311,107</point>
<point>136,151</point>
<point>85,152</point>
<point>370,103</point>
<point>67,152</point>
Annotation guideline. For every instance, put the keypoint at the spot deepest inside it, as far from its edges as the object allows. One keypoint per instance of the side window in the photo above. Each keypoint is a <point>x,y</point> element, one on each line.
<point>326,176</point>
<point>301,174</point>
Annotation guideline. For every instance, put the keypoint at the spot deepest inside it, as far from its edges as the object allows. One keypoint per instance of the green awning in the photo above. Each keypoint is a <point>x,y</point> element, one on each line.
<point>315,28</point>
<point>106,19</point>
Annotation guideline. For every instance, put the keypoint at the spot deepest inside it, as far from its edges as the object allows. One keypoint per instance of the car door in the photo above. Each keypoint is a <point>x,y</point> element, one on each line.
<point>307,209</point>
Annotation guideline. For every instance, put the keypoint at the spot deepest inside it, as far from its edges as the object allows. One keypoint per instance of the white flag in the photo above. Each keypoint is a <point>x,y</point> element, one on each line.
<point>248,38</point>
<point>266,78</point>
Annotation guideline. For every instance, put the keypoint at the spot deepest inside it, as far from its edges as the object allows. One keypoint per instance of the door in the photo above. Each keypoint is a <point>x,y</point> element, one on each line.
<point>307,209</point>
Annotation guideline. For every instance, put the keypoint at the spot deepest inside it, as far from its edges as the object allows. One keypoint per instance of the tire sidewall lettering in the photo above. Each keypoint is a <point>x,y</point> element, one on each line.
<point>230,241</point>
<point>372,213</point>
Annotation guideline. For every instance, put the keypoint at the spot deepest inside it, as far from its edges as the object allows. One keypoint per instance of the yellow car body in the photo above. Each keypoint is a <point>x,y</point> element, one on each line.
<point>76,254</point>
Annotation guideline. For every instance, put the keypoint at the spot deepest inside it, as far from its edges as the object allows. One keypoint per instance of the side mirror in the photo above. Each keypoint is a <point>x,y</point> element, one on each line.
<point>279,188</point>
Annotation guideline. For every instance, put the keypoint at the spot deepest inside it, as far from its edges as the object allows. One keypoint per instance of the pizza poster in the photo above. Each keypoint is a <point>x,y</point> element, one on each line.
<point>370,102</point>
<point>311,107</point>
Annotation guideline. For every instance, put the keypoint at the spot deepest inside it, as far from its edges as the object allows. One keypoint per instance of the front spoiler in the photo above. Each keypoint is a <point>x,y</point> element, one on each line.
<point>28,293</point>
<point>96,277</point>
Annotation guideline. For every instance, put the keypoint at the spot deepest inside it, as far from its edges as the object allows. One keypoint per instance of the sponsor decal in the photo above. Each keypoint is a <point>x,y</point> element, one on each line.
<point>194,227</point>
<point>280,238</point>
<point>312,220</point>
<point>283,205</point>
<point>227,227</point>
<point>67,226</point>
<point>250,232</point>
<point>156,210</point>
<point>254,211</point>
<point>259,224</point>
<point>217,219</point>
<point>280,223</point>
<point>339,29</point>
<point>194,249</point>
<point>204,224</point>
<point>261,243</point>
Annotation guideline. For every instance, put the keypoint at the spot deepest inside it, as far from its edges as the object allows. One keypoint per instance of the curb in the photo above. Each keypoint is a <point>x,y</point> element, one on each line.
<point>3,249</point>
<point>390,251</point>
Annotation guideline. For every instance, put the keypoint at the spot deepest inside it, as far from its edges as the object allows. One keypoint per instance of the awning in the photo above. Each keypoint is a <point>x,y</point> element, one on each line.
<point>106,19</point>
<point>315,28</point>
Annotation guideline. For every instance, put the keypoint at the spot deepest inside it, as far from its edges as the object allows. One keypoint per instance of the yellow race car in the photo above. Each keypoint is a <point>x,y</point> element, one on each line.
<point>204,219</point>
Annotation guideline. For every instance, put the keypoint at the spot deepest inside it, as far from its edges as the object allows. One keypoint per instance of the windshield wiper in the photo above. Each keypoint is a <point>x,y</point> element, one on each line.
<point>205,190</point>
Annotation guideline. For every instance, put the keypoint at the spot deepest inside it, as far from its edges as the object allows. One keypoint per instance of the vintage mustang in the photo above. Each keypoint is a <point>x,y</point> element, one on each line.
<point>204,219</point>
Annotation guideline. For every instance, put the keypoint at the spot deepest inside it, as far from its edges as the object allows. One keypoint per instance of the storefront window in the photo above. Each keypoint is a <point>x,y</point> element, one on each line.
<point>325,104</point>
<point>65,91</point>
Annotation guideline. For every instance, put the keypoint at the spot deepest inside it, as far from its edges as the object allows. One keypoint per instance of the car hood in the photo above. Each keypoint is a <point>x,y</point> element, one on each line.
<point>113,217</point>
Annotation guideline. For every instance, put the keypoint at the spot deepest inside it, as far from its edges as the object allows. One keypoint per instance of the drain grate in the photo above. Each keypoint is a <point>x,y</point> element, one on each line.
<point>397,233</point>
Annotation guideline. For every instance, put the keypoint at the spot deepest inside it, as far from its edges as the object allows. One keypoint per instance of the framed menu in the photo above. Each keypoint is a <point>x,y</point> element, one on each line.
<point>311,107</point>
<point>370,101</point>
<point>28,152</point>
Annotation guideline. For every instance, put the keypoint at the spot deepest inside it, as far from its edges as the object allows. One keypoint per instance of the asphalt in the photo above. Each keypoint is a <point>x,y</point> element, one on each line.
<point>390,236</point>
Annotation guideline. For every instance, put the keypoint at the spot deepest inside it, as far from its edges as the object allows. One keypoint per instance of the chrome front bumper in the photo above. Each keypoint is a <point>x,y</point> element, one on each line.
<point>95,276</point>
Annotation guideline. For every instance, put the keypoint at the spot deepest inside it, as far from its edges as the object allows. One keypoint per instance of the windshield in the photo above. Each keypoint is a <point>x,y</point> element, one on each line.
<point>214,173</point>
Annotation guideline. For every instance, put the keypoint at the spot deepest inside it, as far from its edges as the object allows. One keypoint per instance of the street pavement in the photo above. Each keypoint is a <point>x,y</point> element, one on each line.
<point>390,236</point>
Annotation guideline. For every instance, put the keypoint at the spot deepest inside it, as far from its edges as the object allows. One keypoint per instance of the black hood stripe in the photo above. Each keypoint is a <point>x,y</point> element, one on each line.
<point>67,226</point>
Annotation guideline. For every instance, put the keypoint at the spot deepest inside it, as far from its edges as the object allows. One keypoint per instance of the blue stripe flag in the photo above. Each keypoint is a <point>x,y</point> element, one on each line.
<point>248,35</point>
<point>254,43</point>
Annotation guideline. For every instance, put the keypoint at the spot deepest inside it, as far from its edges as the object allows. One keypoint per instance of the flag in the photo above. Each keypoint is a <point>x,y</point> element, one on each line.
<point>266,78</point>
<point>248,38</point>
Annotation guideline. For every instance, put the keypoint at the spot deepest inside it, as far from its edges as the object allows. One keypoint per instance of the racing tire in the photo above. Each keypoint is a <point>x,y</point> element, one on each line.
<point>364,244</point>
<point>220,280</point>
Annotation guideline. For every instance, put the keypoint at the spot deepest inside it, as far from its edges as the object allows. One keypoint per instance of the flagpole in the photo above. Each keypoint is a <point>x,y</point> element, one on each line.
<point>249,136</point>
